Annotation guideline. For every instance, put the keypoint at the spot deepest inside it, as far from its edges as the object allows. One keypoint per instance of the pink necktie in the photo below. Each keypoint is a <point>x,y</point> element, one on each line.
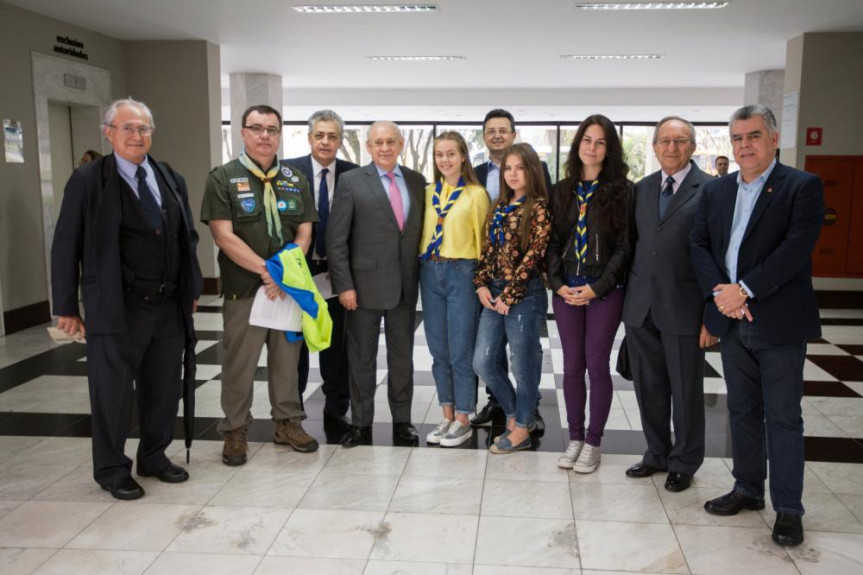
<point>396,201</point>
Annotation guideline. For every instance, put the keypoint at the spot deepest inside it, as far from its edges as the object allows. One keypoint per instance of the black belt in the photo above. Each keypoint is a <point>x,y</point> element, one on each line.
<point>151,288</point>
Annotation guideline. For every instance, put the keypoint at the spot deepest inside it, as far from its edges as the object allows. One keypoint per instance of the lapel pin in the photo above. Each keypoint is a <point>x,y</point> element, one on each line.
<point>769,190</point>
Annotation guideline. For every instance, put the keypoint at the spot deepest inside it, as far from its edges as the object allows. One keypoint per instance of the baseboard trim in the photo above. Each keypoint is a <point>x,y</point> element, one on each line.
<point>23,317</point>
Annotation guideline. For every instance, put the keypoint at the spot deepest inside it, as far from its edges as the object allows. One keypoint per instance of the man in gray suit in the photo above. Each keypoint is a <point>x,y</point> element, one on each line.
<point>373,241</point>
<point>663,310</point>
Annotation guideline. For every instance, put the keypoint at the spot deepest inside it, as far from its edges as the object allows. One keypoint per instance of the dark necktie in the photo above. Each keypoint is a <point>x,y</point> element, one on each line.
<point>323,214</point>
<point>148,203</point>
<point>666,196</point>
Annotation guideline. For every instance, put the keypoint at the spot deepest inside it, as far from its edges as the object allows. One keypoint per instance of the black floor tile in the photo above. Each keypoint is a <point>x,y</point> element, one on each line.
<point>842,367</point>
<point>852,349</point>
<point>827,389</point>
<point>47,424</point>
<point>46,362</point>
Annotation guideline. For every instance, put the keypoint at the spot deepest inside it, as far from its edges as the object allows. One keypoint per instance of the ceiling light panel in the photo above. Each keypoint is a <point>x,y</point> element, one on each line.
<point>613,56</point>
<point>600,6</point>
<point>367,9</point>
<point>415,58</point>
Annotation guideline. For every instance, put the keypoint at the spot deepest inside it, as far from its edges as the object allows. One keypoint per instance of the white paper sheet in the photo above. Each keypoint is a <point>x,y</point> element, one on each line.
<point>61,337</point>
<point>283,314</point>
<point>324,285</point>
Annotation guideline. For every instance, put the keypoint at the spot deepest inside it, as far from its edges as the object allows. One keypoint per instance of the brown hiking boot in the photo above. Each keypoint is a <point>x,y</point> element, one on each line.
<point>292,433</point>
<point>236,447</point>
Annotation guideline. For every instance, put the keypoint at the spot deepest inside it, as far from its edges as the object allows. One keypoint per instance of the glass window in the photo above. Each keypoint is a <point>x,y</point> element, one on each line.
<point>638,151</point>
<point>353,148</point>
<point>566,136</point>
<point>417,152</point>
<point>544,141</point>
<point>712,141</point>
<point>295,141</point>
<point>475,143</point>
<point>227,156</point>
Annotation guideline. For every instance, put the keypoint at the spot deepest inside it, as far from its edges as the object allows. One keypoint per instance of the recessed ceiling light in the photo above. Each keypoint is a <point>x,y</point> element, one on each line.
<point>414,58</point>
<point>613,56</point>
<point>366,8</point>
<point>652,5</point>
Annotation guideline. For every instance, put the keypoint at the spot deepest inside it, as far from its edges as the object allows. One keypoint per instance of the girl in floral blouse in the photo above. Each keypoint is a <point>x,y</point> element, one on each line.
<point>509,286</point>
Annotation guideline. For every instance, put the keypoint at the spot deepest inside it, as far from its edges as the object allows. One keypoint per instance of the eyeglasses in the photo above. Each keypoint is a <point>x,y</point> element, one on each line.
<point>497,132</point>
<point>679,142</point>
<point>387,143</point>
<point>259,130</point>
<point>130,130</point>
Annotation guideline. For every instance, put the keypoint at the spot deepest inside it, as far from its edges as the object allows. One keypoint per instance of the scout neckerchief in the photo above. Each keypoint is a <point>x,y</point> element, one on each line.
<point>437,237</point>
<point>270,207</point>
<point>496,233</point>
<point>580,233</point>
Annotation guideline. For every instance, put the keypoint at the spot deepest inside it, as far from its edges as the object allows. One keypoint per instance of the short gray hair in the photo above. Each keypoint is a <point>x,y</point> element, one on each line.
<point>326,116</point>
<point>747,112</point>
<point>387,123</point>
<point>115,106</point>
<point>667,119</point>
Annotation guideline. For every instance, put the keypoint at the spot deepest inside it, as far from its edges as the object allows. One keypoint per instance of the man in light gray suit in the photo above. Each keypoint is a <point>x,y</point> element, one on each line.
<point>663,310</point>
<point>373,241</point>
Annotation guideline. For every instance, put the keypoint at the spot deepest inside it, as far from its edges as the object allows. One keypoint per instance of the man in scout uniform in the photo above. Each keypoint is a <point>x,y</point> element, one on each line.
<point>254,206</point>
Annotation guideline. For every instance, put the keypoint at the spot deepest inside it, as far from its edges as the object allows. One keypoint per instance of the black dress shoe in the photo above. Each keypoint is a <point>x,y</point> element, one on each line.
<point>336,422</point>
<point>405,432</point>
<point>788,530</point>
<point>357,435</point>
<point>538,422</point>
<point>676,481</point>
<point>487,414</point>
<point>642,469</point>
<point>169,473</point>
<point>125,488</point>
<point>732,504</point>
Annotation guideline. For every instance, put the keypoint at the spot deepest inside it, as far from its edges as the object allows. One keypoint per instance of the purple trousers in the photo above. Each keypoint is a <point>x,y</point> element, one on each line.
<point>587,335</point>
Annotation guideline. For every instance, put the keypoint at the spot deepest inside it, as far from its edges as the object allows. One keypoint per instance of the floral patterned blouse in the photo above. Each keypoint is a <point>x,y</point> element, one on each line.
<point>507,262</point>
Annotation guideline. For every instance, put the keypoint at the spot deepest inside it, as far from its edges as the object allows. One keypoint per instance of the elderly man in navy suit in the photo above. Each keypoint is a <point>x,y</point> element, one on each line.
<point>322,169</point>
<point>750,245</point>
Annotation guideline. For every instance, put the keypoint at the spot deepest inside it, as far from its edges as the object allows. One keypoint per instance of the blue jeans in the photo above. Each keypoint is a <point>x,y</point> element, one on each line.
<point>450,312</point>
<point>521,329</point>
<point>765,387</point>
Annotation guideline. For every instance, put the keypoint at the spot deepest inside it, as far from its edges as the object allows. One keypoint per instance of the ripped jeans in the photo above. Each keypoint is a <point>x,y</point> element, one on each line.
<point>521,330</point>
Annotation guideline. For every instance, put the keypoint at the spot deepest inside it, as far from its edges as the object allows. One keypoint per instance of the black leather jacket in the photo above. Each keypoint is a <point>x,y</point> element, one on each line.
<point>608,254</point>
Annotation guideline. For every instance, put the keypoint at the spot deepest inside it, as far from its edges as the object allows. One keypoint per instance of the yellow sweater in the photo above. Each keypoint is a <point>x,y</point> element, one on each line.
<point>463,225</point>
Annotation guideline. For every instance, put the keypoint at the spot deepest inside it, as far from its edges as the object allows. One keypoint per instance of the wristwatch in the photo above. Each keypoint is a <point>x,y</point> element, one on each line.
<point>742,291</point>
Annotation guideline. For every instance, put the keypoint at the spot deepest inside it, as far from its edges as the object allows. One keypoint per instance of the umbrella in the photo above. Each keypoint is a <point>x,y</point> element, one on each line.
<point>189,369</point>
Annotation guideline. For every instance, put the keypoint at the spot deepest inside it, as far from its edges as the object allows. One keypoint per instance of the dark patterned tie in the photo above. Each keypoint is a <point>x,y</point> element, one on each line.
<point>323,214</point>
<point>151,208</point>
<point>666,196</point>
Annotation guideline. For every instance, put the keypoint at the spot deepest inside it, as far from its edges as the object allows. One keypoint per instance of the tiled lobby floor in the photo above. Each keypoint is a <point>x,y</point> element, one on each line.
<point>388,509</point>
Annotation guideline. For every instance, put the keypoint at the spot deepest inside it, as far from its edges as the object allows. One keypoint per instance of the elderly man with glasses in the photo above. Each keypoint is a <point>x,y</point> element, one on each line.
<point>255,206</point>
<point>663,310</point>
<point>125,238</point>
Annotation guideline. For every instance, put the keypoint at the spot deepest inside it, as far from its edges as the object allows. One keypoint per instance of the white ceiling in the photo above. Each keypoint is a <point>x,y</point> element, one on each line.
<point>508,45</point>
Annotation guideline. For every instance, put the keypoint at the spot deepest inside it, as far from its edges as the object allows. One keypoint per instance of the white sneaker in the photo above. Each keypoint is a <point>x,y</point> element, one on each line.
<point>587,460</point>
<point>458,433</point>
<point>438,433</point>
<point>567,460</point>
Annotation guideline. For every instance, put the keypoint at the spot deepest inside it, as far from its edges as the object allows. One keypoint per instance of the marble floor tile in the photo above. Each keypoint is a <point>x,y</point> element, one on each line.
<point>500,570</point>
<point>455,495</point>
<point>525,465</point>
<point>612,469</point>
<point>331,534</point>
<point>462,463</point>
<point>853,502</point>
<point>91,562</point>
<point>202,486</point>
<point>349,492</point>
<point>851,425</point>
<point>204,564</point>
<point>687,507</point>
<point>812,372</point>
<point>24,481</point>
<point>236,530</point>
<point>832,406</point>
<point>824,512</point>
<point>264,487</point>
<point>629,547</point>
<point>537,499</point>
<point>23,561</point>
<point>617,419</point>
<point>135,526</point>
<point>310,566</point>
<point>415,568</point>
<point>527,542</point>
<point>617,502</point>
<point>368,460</point>
<point>72,451</point>
<point>819,425</point>
<point>12,444</point>
<point>712,473</point>
<point>204,454</point>
<point>7,506</point>
<point>77,485</point>
<point>47,523</point>
<point>405,537</point>
<point>272,456</point>
<point>839,477</point>
<point>829,554</point>
<point>723,550</point>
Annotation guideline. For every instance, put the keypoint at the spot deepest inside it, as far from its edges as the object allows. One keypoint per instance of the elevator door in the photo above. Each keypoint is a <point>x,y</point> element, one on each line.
<point>62,159</point>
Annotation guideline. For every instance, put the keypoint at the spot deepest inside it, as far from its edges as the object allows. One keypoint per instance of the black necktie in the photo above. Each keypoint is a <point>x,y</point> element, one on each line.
<point>666,196</point>
<point>323,214</point>
<point>148,203</point>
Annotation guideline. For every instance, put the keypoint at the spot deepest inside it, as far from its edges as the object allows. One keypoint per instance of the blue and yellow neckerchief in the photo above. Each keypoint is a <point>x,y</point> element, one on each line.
<point>496,232</point>
<point>437,237</point>
<point>583,197</point>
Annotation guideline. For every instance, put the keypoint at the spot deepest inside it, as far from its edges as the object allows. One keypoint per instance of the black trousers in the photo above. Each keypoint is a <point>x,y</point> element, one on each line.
<point>143,363</point>
<point>333,360</point>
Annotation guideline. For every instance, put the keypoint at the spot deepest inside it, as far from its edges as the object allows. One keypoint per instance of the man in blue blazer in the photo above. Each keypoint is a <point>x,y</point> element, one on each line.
<point>750,246</point>
<point>322,169</point>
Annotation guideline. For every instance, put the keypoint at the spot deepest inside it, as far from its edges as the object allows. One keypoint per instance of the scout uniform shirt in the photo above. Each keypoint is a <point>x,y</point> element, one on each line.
<point>234,193</point>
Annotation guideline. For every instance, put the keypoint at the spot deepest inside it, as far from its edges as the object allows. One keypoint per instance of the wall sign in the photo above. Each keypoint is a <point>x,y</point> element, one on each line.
<point>13,135</point>
<point>814,136</point>
<point>70,47</point>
